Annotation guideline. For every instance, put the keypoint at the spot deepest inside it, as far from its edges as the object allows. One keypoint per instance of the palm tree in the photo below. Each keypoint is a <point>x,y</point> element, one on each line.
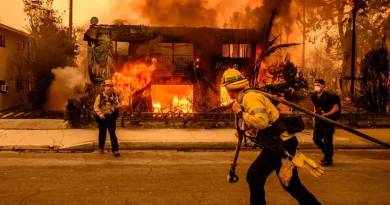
<point>101,59</point>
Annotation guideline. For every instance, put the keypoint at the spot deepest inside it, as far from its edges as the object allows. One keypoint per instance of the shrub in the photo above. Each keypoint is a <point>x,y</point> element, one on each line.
<point>79,112</point>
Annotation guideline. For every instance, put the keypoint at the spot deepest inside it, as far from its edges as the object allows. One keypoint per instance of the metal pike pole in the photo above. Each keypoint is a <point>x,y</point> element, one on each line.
<point>232,177</point>
<point>337,124</point>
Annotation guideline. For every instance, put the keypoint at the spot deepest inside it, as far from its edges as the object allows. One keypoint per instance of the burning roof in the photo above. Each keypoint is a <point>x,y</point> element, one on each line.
<point>140,33</point>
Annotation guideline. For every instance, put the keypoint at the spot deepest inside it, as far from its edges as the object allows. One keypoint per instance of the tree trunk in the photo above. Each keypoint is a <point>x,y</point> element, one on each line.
<point>345,41</point>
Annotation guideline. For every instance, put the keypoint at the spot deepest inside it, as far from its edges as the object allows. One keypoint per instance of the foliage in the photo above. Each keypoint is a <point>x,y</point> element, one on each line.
<point>321,65</point>
<point>101,58</point>
<point>376,82</point>
<point>79,112</point>
<point>17,69</point>
<point>294,84</point>
<point>329,21</point>
<point>50,46</point>
<point>267,49</point>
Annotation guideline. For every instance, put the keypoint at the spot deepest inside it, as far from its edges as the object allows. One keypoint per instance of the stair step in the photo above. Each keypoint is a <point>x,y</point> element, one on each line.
<point>28,115</point>
<point>8,116</point>
<point>19,115</point>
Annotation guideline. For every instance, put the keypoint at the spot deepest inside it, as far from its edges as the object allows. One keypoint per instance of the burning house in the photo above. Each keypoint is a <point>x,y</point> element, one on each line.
<point>158,69</point>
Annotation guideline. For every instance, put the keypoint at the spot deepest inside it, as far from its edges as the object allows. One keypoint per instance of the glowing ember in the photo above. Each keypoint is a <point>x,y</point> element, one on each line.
<point>225,98</point>
<point>133,77</point>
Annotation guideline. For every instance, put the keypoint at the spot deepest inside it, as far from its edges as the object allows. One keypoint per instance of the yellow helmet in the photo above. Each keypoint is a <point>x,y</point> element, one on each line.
<point>233,79</point>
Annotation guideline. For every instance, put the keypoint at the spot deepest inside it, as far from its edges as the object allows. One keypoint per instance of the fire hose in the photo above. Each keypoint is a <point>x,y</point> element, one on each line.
<point>232,177</point>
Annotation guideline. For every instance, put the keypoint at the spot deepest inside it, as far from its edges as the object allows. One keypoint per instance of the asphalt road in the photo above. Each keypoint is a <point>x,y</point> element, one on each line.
<point>182,178</point>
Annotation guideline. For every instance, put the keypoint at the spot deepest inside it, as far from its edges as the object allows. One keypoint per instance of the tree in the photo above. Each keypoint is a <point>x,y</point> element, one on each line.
<point>18,70</point>
<point>50,45</point>
<point>376,82</point>
<point>321,65</point>
<point>331,22</point>
<point>101,60</point>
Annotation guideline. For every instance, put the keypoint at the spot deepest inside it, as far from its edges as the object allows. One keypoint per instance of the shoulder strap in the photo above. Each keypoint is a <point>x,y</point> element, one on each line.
<point>245,91</point>
<point>101,98</point>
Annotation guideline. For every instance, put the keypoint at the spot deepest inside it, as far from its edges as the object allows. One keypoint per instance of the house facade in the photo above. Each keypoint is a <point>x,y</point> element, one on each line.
<point>186,56</point>
<point>14,53</point>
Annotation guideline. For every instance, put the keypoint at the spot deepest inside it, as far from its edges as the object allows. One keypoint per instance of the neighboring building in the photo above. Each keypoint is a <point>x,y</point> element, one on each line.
<point>14,53</point>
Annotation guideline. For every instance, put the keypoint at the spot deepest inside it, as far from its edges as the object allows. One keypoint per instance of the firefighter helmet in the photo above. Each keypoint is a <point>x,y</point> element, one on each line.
<point>233,79</point>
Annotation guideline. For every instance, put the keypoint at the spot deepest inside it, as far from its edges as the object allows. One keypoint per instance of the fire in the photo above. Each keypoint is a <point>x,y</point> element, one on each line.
<point>258,51</point>
<point>176,98</point>
<point>132,77</point>
<point>225,98</point>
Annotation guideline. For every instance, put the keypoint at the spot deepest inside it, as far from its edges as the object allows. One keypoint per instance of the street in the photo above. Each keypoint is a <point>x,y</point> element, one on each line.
<point>182,178</point>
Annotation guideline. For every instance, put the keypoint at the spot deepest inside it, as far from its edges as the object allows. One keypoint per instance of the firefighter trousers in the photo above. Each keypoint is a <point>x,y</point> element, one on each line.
<point>109,123</point>
<point>264,165</point>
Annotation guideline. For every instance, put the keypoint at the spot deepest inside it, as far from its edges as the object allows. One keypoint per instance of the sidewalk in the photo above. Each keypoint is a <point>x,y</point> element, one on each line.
<point>86,139</point>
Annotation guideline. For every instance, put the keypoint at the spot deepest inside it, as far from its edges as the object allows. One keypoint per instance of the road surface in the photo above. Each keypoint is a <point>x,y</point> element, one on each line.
<point>180,178</point>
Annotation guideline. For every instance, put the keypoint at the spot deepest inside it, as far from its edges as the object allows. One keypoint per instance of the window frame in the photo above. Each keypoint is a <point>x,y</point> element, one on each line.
<point>243,50</point>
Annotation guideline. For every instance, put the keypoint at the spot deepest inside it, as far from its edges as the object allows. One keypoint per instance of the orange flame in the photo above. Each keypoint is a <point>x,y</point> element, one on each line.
<point>224,97</point>
<point>132,77</point>
<point>258,51</point>
<point>176,98</point>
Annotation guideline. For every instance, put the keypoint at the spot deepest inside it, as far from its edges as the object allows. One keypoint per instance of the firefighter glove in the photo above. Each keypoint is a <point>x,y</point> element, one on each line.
<point>286,172</point>
<point>307,165</point>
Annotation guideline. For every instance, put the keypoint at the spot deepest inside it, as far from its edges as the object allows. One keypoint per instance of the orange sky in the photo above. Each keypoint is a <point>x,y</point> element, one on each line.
<point>11,11</point>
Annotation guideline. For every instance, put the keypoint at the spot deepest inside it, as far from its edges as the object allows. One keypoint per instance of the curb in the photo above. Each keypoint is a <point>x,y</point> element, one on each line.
<point>89,147</point>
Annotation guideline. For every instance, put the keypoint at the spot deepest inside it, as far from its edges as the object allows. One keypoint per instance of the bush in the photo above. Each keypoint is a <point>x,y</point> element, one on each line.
<point>79,112</point>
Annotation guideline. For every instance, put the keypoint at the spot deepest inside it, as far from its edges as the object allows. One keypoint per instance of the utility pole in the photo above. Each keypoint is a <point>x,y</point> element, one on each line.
<point>70,18</point>
<point>353,55</point>
<point>303,35</point>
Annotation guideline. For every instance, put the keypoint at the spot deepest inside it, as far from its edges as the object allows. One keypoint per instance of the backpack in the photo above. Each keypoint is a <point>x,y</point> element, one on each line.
<point>338,101</point>
<point>293,123</point>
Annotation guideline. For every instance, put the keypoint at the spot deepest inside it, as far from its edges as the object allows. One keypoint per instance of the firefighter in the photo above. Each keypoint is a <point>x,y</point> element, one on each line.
<point>106,113</point>
<point>261,119</point>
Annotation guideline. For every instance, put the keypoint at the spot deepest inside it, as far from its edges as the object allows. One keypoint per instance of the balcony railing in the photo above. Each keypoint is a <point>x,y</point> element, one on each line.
<point>181,61</point>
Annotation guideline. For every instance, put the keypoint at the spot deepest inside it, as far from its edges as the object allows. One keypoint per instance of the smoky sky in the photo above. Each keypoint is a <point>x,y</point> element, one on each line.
<point>178,13</point>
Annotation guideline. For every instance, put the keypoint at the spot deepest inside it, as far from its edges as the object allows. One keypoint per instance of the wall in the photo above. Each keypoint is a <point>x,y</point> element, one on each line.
<point>12,98</point>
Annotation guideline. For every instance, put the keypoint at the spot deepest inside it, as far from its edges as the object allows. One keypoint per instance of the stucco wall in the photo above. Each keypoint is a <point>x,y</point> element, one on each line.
<point>12,97</point>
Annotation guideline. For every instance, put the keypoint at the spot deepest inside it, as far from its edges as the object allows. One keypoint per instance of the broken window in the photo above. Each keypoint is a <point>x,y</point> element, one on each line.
<point>236,50</point>
<point>122,48</point>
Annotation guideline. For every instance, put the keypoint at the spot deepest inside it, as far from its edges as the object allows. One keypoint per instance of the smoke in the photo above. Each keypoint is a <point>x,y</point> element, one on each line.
<point>192,13</point>
<point>179,13</point>
<point>67,83</point>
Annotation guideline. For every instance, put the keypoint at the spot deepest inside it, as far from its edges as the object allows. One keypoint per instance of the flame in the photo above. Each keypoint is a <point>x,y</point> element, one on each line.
<point>175,98</point>
<point>156,107</point>
<point>183,104</point>
<point>132,78</point>
<point>258,51</point>
<point>225,98</point>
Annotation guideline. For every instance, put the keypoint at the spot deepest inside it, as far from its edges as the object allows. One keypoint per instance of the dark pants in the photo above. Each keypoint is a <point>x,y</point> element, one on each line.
<point>323,138</point>
<point>108,123</point>
<point>264,165</point>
